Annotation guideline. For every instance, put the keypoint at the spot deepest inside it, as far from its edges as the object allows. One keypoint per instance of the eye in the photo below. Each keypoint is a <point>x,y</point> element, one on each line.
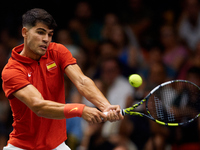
<point>50,34</point>
<point>41,32</point>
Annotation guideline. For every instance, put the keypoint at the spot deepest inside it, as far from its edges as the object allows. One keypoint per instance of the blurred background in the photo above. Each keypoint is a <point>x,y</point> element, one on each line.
<point>111,39</point>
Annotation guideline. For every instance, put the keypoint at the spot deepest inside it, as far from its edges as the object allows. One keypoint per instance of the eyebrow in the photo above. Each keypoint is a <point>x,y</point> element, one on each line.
<point>44,30</point>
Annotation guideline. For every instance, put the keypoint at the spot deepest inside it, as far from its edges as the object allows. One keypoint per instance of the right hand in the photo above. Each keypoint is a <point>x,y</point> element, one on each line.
<point>93,115</point>
<point>113,113</point>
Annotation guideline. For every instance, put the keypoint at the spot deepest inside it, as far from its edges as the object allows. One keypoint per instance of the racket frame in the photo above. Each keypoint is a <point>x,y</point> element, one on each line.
<point>129,111</point>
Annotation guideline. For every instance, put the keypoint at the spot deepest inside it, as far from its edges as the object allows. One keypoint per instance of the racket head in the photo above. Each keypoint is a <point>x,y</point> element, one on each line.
<point>174,103</point>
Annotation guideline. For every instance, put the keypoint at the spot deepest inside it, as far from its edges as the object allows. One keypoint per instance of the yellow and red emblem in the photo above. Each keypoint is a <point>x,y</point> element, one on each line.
<point>51,65</point>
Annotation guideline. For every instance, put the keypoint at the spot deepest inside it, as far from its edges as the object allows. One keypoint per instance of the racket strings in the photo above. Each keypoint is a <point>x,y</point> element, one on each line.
<point>175,102</point>
<point>159,108</point>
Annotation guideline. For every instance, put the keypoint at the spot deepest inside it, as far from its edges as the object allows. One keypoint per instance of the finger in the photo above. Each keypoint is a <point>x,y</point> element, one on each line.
<point>108,116</point>
<point>116,115</point>
<point>120,116</point>
<point>98,118</point>
<point>94,120</point>
<point>118,109</point>
<point>112,116</point>
<point>104,116</point>
<point>89,121</point>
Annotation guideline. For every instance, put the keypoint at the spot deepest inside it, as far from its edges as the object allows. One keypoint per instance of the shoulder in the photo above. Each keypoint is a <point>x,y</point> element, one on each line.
<point>12,68</point>
<point>61,54</point>
<point>57,47</point>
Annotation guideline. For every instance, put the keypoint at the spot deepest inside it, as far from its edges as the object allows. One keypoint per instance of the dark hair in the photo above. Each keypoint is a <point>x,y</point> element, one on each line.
<point>33,16</point>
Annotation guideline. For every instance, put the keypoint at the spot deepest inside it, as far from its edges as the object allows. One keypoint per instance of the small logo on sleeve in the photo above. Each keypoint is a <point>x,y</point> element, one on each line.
<point>29,74</point>
<point>51,65</point>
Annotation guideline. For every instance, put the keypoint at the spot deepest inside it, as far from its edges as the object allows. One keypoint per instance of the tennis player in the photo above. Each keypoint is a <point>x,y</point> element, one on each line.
<point>33,81</point>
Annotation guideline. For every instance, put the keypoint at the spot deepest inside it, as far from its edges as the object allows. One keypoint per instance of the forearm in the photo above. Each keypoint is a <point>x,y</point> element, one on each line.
<point>48,109</point>
<point>54,110</point>
<point>88,89</point>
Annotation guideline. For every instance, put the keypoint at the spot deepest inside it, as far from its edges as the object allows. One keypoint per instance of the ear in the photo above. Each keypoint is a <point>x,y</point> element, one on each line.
<point>24,31</point>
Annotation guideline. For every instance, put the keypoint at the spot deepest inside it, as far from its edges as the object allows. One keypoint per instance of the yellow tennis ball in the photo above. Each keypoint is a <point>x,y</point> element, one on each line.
<point>135,80</point>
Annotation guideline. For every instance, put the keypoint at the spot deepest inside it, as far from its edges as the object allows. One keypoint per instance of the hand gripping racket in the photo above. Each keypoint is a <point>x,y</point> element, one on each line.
<point>172,103</point>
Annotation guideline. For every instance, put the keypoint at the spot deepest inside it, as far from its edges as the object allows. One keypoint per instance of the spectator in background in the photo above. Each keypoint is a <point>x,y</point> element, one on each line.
<point>174,53</point>
<point>5,127</point>
<point>157,75</point>
<point>128,55</point>
<point>110,19</point>
<point>4,56</point>
<point>93,139</point>
<point>189,23</point>
<point>63,36</point>
<point>92,133</point>
<point>169,17</point>
<point>86,32</point>
<point>74,128</point>
<point>146,134</point>
<point>118,91</point>
<point>187,137</point>
<point>137,18</point>
<point>158,134</point>
<point>155,55</point>
<point>116,88</point>
<point>11,37</point>
<point>192,61</point>
<point>107,49</point>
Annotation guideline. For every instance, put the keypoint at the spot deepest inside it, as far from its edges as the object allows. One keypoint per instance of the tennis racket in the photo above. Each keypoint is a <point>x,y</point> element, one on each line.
<point>172,103</point>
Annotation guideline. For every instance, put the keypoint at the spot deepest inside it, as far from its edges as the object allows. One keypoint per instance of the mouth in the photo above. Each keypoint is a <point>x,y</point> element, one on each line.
<point>43,47</point>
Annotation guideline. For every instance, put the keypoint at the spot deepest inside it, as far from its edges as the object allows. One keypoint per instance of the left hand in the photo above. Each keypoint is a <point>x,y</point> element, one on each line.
<point>113,113</point>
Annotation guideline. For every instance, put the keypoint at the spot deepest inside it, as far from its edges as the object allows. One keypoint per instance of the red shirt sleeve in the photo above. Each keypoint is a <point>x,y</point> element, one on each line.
<point>65,57</point>
<point>13,80</point>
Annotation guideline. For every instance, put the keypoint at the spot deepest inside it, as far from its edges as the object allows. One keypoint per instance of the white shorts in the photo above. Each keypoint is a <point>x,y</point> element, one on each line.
<point>62,146</point>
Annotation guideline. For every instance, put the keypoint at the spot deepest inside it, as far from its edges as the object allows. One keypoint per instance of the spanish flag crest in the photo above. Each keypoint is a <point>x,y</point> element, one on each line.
<point>51,65</point>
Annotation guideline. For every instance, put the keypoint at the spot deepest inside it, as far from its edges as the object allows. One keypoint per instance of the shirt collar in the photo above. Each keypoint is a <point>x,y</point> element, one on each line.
<point>16,55</point>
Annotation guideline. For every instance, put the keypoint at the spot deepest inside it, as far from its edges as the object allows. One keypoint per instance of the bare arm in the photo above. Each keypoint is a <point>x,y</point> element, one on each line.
<point>88,89</point>
<point>30,96</point>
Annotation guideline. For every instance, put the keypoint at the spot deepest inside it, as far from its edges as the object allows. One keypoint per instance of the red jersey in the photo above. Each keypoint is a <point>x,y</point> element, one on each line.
<point>47,75</point>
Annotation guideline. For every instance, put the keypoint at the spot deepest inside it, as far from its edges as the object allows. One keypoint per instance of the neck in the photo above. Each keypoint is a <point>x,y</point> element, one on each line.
<point>27,52</point>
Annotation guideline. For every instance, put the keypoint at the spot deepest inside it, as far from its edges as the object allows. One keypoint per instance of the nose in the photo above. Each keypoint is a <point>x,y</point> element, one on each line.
<point>46,38</point>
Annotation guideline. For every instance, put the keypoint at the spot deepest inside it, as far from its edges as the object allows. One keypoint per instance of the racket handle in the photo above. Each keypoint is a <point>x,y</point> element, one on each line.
<point>121,112</point>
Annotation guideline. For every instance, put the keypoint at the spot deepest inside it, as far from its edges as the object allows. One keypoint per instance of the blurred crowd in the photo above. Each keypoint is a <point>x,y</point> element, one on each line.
<point>158,43</point>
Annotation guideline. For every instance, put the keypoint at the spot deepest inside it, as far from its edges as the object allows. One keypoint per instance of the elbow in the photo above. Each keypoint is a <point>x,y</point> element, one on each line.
<point>83,84</point>
<point>39,113</point>
<point>36,106</point>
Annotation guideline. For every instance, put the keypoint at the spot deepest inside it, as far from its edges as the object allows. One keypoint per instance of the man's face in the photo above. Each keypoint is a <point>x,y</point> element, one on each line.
<point>110,71</point>
<point>37,40</point>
